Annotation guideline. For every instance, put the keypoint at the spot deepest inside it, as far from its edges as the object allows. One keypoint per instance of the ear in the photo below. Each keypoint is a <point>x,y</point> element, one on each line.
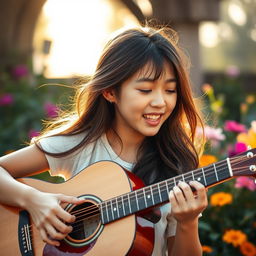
<point>109,95</point>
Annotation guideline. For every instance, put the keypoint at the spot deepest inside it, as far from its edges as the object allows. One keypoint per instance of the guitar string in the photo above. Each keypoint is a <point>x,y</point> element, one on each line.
<point>79,221</point>
<point>93,209</point>
<point>161,185</point>
<point>96,209</point>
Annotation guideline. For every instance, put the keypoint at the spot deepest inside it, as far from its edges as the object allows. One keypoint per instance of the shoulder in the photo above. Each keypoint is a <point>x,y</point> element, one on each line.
<point>60,143</point>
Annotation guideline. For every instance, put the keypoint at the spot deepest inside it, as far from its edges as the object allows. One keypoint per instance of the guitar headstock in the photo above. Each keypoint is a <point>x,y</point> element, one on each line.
<point>244,164</point>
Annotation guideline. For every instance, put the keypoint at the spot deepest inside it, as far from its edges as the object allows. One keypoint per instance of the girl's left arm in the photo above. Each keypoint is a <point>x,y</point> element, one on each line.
<point>186,207</point>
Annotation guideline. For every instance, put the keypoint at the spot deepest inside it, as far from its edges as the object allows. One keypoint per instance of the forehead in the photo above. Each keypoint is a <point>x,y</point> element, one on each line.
<point>153,71</point>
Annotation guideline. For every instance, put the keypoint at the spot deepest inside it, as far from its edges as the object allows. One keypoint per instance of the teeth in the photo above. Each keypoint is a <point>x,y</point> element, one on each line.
<point>152,117</point>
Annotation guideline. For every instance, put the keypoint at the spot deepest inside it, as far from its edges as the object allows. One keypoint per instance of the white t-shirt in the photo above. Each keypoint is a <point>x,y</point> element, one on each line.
<point>97,151</point>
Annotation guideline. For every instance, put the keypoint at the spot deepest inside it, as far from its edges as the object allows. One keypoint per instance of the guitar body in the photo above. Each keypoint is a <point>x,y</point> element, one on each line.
<point>131,235</point>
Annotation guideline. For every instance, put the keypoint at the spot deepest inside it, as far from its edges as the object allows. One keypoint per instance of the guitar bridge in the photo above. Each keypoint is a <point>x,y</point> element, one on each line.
<point>24,234</point>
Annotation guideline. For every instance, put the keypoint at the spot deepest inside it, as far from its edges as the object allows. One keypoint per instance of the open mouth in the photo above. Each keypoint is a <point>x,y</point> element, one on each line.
<point>152,117</point>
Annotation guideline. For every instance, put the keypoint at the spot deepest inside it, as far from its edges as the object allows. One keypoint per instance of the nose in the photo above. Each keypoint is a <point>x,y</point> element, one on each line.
<point>158,100</point>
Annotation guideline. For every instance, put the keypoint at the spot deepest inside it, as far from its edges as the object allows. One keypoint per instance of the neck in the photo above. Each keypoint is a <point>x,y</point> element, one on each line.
<point>127,148</point>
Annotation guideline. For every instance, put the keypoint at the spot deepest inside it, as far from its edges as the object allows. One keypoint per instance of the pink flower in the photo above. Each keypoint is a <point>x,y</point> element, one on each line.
<point>233,126</point>
<point>237,149</point>
<point>245,182</point>
<point>33,133</point>
<point>6,99</point>
<point>20,71</point>
<point>51,110</point>
<point>212,134</point>
<point>233,71</point>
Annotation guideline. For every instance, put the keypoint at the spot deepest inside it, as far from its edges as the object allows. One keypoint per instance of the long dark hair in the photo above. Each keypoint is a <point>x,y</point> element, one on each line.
<point>172,150</point>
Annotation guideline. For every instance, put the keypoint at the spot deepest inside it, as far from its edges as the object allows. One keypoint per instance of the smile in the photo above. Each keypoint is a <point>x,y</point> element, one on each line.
<point>152,117</point>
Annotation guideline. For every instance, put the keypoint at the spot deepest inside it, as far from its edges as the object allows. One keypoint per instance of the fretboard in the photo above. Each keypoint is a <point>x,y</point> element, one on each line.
<point>149,196</point>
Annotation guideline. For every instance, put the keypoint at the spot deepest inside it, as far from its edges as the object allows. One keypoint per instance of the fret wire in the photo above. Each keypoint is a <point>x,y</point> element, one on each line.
<point>223,170</point>
<point>102,213</point>
<point>123,205</point>
<point>167,190</point>
<point>137,200</point>
<point>129,203</point>
<point>215,172</point>
<point>204,176</point>
<point>117,207</point>
<point>112,209</point>
<point>145,198</point>
<point>107,211</point>
<point>159,192</point>
<point>153,200</point>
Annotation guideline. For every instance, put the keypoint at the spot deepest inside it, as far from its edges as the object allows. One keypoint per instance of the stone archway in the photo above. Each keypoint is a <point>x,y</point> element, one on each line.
<point>18,19</point>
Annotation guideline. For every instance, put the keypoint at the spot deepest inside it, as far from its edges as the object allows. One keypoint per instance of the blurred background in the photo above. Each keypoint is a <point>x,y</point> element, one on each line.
<point>57,41</point>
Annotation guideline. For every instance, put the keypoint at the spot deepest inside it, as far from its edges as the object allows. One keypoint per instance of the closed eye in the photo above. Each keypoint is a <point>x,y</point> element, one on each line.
<point>145,90</point>
<point>171,91</point>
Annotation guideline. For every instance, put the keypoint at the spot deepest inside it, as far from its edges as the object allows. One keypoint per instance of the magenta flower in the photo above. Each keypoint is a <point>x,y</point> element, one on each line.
<point>237,149</point>
<point>51,109</point>
<point>233,126</point>
<point>20,71</point>
<point>6,99</point>
<point>245,182</point>
<point>33,133</point>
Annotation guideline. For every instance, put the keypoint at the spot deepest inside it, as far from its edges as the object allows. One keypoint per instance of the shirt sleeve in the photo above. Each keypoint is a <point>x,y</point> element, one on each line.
<point>65,166</point>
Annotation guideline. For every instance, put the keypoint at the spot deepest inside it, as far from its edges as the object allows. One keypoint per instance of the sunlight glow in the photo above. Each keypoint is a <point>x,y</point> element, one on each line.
<point>77,36</point>
<point>208,34</point>
<point>237,13</point>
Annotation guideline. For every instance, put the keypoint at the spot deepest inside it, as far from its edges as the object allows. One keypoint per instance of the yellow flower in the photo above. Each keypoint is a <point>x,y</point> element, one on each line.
<point>207,249</point>
<point>206,160</point>
<point>248,249</point>
<point>221,198</point>
<point>234,237</point>
<point>248,138</point>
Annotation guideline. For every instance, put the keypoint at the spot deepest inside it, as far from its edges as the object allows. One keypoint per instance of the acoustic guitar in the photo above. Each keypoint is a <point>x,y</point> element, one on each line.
<point>114,220</point>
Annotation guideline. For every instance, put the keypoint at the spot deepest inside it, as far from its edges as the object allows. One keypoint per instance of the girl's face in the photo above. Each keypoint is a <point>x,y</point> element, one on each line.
<point>143,104</point>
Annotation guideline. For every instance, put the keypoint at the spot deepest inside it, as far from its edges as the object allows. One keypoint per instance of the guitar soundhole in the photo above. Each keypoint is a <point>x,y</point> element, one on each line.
<point>87,226</point>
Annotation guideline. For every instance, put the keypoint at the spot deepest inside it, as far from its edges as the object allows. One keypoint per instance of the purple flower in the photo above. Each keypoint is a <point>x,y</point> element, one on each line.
<point>20,71</point>
<point>51,110</point>
<point>233,126</point>
<point>237,149</point>
<point>245,182</point>
<point>6,99</point>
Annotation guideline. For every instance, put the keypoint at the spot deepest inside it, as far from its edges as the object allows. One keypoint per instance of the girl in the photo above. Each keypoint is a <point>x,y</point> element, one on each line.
<point>137,110</point>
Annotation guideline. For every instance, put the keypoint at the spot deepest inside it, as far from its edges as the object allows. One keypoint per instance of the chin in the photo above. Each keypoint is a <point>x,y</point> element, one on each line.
<point>151,133</point>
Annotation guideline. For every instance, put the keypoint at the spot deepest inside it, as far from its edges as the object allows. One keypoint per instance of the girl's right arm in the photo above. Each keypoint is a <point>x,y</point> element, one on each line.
<point>44,208</point>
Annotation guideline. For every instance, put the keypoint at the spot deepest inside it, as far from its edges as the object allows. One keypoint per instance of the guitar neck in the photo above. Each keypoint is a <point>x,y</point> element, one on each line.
<point>158,193</point>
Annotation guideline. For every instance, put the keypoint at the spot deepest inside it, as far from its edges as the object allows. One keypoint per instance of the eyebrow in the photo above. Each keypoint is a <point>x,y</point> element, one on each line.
<point>145,79</point>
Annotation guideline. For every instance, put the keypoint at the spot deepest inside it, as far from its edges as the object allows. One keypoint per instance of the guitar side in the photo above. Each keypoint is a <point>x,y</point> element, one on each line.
<point>105,180</point>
